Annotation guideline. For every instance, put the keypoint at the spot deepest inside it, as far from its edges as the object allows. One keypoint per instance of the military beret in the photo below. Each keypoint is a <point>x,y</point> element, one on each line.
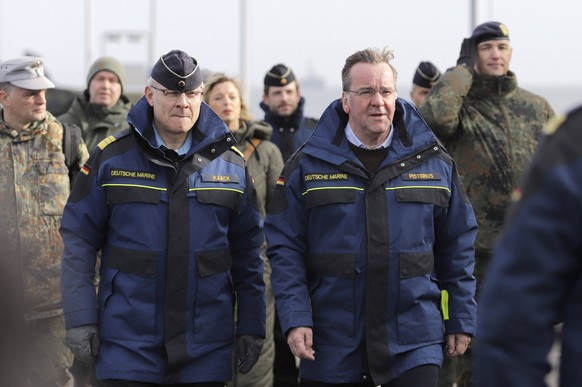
<point>490,31</point>
<point>279,75</point>
<point>177,70</point>
<point>426,75</point>
<point>26,72</point>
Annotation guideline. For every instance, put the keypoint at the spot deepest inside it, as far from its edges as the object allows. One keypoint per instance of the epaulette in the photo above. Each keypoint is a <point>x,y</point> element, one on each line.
<point>237,151</point>
<point>553,124</point>
<point>106,141</point>
<point>112,138</point>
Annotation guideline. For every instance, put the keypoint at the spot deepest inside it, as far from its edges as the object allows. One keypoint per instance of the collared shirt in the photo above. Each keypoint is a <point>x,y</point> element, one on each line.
<point>159,142</point>
<point>351,136</point>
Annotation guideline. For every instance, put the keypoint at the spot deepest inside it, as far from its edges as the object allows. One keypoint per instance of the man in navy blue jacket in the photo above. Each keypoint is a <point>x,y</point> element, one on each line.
<point>368,226</point>
<point>170,204</point>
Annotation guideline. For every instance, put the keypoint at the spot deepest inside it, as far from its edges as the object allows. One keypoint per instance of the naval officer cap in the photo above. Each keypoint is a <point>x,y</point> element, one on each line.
<point>26,72</point>
<point>492,30</point>
<point>177,70</point>
<point>279,75</point>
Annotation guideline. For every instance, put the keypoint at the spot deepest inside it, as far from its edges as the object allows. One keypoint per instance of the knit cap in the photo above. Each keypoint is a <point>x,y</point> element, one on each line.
<point>107,63</point>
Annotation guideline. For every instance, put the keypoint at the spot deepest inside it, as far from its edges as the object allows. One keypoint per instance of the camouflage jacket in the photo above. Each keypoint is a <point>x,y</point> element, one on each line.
<point>34,186</point>
<point>491,128</point>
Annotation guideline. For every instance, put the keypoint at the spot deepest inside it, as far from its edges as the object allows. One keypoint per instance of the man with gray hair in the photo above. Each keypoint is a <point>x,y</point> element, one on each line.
<point>34,186</point>
<point>368,223</point>
<point>173,208</point>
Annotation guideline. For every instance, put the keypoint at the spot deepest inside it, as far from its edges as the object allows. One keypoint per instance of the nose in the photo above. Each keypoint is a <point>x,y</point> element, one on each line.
<point>182,100</point>
<point>377,99</point>
<point>40,98</point>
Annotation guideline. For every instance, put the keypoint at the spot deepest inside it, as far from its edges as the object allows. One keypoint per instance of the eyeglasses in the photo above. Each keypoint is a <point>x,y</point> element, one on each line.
<point>370,93</point>
<point>173,95</point>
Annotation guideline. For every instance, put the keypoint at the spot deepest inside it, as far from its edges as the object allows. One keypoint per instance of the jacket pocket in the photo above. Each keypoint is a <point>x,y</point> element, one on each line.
<point>337,265</point>
<point>321,197</point>
<point>331,286</point>
<point>142,263</point>
<point>53,184</point>
<point>221,197</point>
<point>213,262</point>
<point>127,293</point>
<point>214,300</point>
<point>419,317</point>
<point>125,194</point>
<point>416,264</point>
<point>433,195</point>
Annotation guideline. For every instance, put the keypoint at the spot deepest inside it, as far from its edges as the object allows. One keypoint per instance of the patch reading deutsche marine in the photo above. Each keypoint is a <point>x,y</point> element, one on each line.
<point>326,176</point>
<point>421,176</point>
<point>220,179</point>
<point>142,175</point>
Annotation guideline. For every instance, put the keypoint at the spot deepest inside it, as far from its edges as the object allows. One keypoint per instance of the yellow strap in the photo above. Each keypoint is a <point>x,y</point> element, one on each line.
<point>445,304</point>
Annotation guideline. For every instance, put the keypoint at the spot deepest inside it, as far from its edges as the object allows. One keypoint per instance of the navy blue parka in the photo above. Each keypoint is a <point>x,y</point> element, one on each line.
<point>180,239</point>
<point>362,257</point>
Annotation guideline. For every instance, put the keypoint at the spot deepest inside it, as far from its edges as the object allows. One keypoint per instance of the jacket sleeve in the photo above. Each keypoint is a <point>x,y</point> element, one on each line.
<point>245,238</point>
<point>83,230</point>
<point>456,230</point>
<point>286,232</point>
<point>442,106</point>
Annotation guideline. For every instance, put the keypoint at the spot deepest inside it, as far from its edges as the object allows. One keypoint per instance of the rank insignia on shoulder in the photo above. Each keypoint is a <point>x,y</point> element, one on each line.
<point>106,141</point>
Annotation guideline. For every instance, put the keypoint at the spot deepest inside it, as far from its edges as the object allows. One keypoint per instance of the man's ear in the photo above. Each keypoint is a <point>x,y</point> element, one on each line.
<point>3,97</point>
<point>345,102</point>
<point>149,94</point>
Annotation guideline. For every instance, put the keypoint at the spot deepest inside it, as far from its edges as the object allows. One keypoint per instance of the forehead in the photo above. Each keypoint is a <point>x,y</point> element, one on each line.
<point>494,42</point>
<point>106,74</point>
<point>224,85</point>
<point>279,89</point>
<point>370,74</point>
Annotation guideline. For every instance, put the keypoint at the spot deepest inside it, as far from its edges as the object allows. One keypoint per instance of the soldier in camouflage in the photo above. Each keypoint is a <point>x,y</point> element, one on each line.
<point>491,128</point>
<point>34,186</point>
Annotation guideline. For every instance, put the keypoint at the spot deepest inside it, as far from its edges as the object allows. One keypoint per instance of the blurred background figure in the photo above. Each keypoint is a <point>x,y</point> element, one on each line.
<point>535,277</point>
<point>34,186</point>
<point>265,163</point>
<point>490,127</point>
<point>101,110</point>
<point>283,106</point>
<point>425,76</point>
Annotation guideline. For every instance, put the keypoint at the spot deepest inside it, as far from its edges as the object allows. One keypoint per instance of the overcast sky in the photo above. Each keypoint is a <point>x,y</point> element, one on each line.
<point>312,36</point>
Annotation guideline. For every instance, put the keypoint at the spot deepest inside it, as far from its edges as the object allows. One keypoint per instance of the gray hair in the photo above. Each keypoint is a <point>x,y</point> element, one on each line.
<point>6,87</point>
<point>369,55</point>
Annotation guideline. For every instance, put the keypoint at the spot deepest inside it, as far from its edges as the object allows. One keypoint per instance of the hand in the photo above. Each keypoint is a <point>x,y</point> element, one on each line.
<point>83,342</point>
<point>457,344</point>
<point>467,54</point>
<point>249,348</point>
<point>300,341</point>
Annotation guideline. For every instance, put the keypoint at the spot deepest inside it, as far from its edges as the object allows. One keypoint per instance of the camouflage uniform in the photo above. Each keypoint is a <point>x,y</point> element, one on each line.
<point>491,128</point>
<point>34,186</point>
